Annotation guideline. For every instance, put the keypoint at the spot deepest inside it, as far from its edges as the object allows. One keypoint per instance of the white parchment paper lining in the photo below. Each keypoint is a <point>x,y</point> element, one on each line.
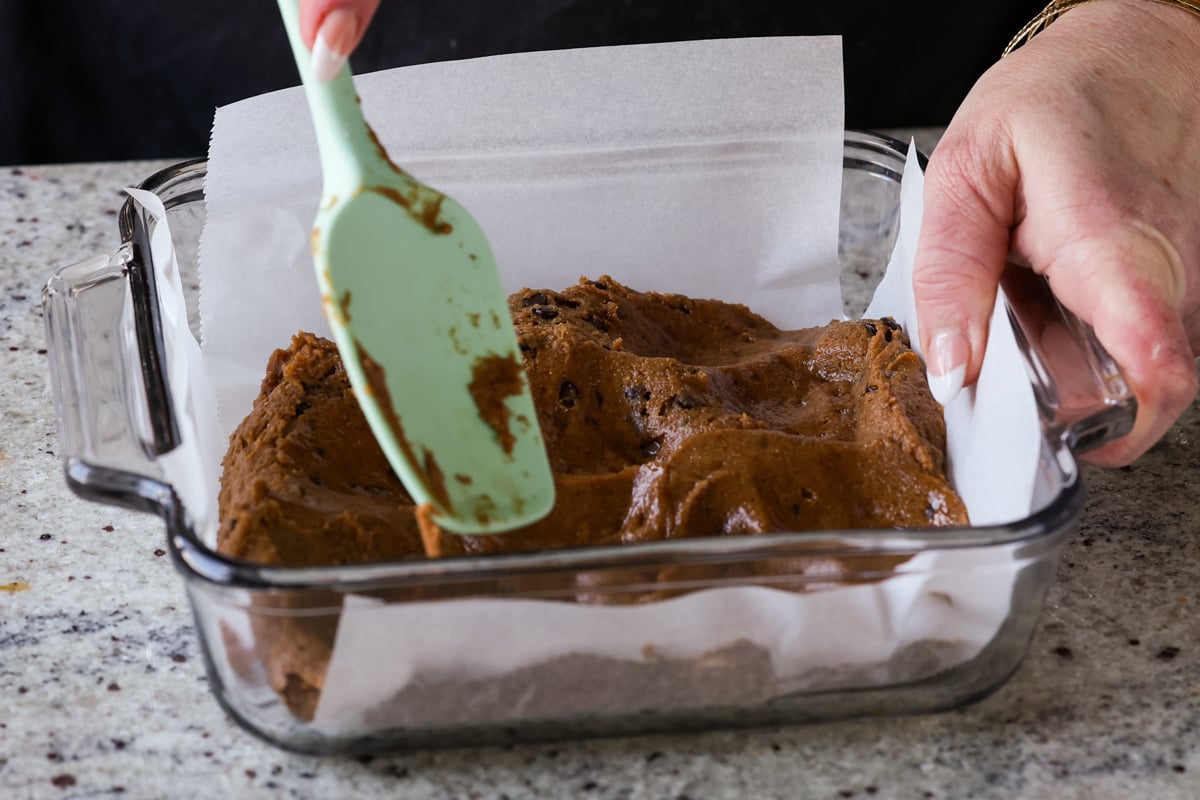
<point>709,168</point>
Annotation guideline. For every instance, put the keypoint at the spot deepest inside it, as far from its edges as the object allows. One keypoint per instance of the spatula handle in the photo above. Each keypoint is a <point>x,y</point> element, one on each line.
<point>349,152</point>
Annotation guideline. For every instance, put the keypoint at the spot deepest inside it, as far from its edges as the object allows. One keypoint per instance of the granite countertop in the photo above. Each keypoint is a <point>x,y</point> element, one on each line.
<point>103,691</point>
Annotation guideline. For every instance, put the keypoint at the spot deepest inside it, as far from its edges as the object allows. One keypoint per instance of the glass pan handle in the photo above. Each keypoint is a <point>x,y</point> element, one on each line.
<point>106,437</point>
<point>1081,395</point>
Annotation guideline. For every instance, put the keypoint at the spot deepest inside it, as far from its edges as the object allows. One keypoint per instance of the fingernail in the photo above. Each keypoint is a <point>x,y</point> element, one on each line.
<point>946,364</point>
<point>335,37</point>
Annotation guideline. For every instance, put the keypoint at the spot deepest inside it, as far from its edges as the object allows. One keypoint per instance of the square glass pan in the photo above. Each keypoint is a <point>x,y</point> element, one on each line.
<point>267,632</point>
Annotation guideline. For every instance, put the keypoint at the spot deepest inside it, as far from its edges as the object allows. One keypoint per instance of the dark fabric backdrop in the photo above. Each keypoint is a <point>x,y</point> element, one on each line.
<point>88,80</point>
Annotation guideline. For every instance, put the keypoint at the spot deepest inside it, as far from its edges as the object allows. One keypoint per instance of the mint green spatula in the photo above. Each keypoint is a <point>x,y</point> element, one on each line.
<point>414,299</point>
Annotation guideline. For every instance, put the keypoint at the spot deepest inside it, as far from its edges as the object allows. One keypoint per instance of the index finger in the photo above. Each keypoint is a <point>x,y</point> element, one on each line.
<point>961,253</point>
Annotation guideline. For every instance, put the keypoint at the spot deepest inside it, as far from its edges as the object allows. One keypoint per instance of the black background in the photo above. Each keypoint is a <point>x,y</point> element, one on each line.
<point>94,81</point>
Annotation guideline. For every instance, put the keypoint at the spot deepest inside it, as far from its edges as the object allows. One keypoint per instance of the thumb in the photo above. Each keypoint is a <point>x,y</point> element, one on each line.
<point>332,29</point>
<point>961,253</point>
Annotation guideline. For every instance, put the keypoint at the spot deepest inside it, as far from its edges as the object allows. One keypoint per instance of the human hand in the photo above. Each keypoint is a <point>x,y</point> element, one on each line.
<point>332,29</point>
<point>1077,155</point>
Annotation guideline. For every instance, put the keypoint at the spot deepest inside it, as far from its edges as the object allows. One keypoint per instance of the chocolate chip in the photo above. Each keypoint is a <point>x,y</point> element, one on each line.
<point>301,407</point>
<point>565,301</point>
<point>887,335</point>
<point>688,400</point>
<point>545,312</point>
<point>601,285</point>
<point>1063,652</point>
<point>891,323</point>
<point>535,299</point>
<point>568,393</point>
<point>651,448</point>
<point>871,329</point>
<point>872,388</point>
<point>596,322</point>
<point>807,494</point>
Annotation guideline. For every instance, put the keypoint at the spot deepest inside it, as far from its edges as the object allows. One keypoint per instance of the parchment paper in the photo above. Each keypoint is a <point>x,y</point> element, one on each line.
<point>709,168</point>
<point>993,434</point>
<point>189,467</point>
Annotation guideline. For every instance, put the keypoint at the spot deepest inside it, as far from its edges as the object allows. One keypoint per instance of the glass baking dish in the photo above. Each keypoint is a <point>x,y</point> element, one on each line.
<point>268,632</point>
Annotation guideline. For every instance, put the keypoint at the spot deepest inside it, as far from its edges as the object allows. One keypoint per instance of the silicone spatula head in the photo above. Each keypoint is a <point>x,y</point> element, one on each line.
<point>414,299</point>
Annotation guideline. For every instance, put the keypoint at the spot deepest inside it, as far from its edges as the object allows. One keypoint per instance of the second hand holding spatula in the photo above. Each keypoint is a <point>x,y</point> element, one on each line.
<point>412,293</point>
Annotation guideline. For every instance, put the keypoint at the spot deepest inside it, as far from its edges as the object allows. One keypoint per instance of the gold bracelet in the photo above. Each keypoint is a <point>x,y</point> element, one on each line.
<point>1057,7</point>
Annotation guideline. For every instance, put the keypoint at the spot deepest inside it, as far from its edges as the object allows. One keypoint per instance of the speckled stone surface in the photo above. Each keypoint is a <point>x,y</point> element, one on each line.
<point>103,693</point>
